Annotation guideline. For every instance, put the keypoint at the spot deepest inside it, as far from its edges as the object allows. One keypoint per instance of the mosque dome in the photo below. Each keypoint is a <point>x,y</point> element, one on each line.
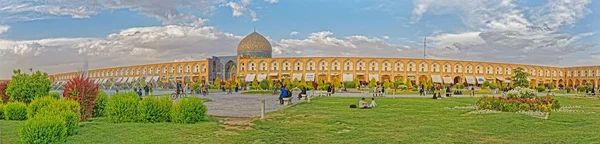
<point>254,45</point>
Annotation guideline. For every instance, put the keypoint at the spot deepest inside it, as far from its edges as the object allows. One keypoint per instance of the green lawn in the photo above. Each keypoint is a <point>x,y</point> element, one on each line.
<point>329,120</point>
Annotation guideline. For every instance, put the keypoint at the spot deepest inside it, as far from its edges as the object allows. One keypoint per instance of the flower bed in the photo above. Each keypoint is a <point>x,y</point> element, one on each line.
<point>543,104</point>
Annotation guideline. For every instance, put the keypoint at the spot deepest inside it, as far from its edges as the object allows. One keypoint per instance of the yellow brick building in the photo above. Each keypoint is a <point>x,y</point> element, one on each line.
<point>254,61</point>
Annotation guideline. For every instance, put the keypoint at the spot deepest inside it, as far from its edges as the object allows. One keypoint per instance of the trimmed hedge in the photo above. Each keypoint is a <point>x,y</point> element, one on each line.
<point>153,109</point>
<point>122,107</point>
<point>44,129</point>
<point>15,111</point>
<point>188,110</point>
<point>100,107</point>
<point>37,104</point>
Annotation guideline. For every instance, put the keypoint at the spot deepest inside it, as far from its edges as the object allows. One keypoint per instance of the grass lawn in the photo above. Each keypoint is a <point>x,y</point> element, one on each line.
<point>329,120</point>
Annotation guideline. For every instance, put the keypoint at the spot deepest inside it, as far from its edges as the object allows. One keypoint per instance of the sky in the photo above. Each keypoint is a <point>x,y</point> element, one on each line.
<point>56,36</point>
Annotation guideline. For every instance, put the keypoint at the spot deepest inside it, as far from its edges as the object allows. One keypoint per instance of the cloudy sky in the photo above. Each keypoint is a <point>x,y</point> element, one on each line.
<point>56,35</point>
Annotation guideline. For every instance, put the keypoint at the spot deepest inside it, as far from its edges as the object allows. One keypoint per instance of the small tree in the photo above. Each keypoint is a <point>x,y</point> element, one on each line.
<point>336,82</point>
<point>387,84</point>
<point>303,84</point>
<point>217,82</point>
<point>372,83</point>
<point>25,87</point>
<point>287,82</point>
<point>84,91</point>
<point>589,86</point>
<point>264,84</point>
<point>255,82</point>
<point>295,82</point>
<point>409,84</point>
<point>356,83</point>
<point>520,78</point>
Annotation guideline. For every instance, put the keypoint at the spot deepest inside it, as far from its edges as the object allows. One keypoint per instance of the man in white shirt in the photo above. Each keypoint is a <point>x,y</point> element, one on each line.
<point>363,104</point>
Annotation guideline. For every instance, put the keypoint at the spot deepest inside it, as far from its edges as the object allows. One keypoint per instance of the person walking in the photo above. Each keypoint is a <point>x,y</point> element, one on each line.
<point>329,90</point>
<point>146,90</point>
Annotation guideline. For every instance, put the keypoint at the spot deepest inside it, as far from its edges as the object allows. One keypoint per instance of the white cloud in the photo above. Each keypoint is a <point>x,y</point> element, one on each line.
<point>4,28</point>
<point>386,37</point>
<point>143,45</point>
<point>164,10</point>
<point>240,8</point>
<point>272,1</point>
<point>293,33</point>
<point>498,31</point>
<point>325,44</point>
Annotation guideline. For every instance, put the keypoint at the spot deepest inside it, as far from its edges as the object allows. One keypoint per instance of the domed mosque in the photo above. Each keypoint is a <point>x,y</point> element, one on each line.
<point>254,45</point>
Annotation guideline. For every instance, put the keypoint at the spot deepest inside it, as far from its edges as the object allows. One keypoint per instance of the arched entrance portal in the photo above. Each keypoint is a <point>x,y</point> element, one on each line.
<point>230,70</point>
<point>561,83</point>
<point>457,80</point>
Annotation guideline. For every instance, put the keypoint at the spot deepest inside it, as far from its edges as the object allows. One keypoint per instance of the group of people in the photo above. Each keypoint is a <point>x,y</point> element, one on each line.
<point>363,104</point>
<point>378,91</point>
<point>287,93</point>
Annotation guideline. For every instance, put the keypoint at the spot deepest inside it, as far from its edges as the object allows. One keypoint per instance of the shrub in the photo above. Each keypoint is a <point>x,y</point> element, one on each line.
<point>521,93</point>
<point>122,107</point>
<point>101,101</point>
<point>24,87</point>
<point>349,84</point>
<point>3,96</point>
<point>540,88</point>
<point>15,111</point>
<point>37,104</point>
<point>44,129</point>
<point>154,109</point>
<point>568,90</point>
<point>69,110</point>
<point>84,91</point>
<point>55,95</point>
<point>264,84</point>
<point>1,111</point>
<point>188,110</point>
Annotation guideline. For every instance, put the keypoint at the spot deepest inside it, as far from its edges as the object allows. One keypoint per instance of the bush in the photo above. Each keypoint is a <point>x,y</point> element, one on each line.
<point>349,84</point>
<point>154,109</point>
<point>188,110</point>
<point>69,110</point>
<point>1,111</point>
<point>44,129</point>
<point>100,107</point>
<point>84,91</point>
<point>55,95</point>
<point>540,88</point>
<point>3,96</point>
<point>15,111</point>
<point>37,104</point>
<point>122,107</point>
<point>264,84</point>
<point>24,87</point>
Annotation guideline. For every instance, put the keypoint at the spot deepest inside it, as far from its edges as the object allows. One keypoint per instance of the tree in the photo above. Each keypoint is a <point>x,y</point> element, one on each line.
<point>372,83</point>
<point>336,82</point>
<point>255,82</point>
<point>84,91</point>
<point>302,84</point>
<point>409,84</point>
<point>387,84</point>
<point>519,79</point>
<point>295,82</point>
<point>287,82</point>
<point>264,84</point>
<point>25,87</point>
<point>217,82</point>
<point>588,85</point>
<point>356,83</point>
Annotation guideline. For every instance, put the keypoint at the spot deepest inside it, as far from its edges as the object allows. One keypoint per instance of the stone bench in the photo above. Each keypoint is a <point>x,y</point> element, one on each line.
<point>287,101</point>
